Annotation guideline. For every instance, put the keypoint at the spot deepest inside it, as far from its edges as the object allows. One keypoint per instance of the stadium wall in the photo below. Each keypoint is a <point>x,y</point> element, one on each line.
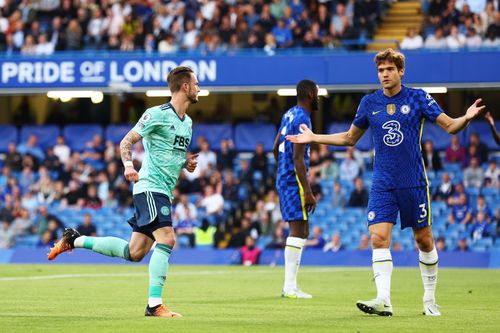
<point>268,257</point>
<point>108,71</point>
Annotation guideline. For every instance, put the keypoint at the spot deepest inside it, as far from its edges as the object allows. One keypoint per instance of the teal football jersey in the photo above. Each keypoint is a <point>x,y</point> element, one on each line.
<point>166,138</point>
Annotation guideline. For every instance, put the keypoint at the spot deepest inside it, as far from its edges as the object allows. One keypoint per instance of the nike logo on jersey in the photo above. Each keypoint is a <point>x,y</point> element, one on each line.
<point>422,220</point>
<point>375,112</point>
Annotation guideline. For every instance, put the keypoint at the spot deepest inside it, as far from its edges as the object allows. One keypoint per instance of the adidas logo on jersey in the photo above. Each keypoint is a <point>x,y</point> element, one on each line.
<point>172,127</point>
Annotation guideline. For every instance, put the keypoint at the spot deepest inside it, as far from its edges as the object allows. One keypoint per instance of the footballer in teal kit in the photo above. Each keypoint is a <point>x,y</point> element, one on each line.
<point>166,132</point>
<point>396,115</point>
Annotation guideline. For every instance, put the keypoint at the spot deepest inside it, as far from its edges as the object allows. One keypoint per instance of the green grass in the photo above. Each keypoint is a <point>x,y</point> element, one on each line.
<point>239,299</point>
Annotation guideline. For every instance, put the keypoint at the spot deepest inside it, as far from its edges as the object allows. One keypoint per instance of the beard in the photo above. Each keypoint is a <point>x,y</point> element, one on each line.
<point>192,96</point>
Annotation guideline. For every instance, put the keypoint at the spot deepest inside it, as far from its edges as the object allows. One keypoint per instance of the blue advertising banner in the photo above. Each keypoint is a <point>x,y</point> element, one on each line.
<point>140,70</point>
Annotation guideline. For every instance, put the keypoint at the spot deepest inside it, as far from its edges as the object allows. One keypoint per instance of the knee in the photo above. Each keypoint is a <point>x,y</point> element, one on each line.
<point>425,244</point>
<point>137,256</point>
<point>380,241</point>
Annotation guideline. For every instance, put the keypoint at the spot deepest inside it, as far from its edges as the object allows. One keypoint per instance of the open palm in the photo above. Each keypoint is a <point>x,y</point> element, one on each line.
<point>305,137</point>
<point>474,110</point>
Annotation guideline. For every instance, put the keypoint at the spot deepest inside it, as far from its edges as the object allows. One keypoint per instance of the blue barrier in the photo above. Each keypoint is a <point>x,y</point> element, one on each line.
<point>327,68</point>
<point>268,257</point>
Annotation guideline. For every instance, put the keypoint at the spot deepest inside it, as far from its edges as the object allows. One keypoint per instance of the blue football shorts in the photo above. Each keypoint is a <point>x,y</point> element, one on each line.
<point>152,211</point>
<point>292,204</point>
<point>413,204</point>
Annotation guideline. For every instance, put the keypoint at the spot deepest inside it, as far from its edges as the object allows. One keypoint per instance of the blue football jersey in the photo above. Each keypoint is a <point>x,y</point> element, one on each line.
<point>397,123</point>
<point>290,125</point>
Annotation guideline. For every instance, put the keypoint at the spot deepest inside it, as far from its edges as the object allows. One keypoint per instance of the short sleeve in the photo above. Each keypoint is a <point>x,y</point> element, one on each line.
<point>302,118</point>
<point>361,119</point>
<point>431,109</point>
<point>148,122</point>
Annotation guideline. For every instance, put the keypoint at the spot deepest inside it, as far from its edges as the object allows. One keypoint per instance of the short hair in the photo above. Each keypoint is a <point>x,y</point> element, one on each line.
<point>305,87</point>
<point>178,76</point>
<point>392,56</point>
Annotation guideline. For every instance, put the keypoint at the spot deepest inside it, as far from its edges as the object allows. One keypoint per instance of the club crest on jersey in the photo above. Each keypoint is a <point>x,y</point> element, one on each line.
<point>165,210</point>
<point>391,109</point>
<point>405,109</point>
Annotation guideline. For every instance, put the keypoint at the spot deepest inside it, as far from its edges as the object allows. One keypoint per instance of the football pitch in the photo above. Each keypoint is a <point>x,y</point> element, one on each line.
<point>98,298</point>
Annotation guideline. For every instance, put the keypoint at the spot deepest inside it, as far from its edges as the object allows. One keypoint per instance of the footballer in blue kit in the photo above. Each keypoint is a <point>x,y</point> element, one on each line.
<point>294,191</point>
<point>396,115</point>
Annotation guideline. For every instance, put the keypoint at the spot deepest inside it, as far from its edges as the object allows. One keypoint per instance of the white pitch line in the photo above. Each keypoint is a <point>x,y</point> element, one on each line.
<point>195,273</point>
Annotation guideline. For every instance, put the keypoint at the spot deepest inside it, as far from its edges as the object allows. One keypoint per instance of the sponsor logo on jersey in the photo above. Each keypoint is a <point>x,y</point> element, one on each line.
<point>391,109</point>
<point>405,109</point>
<point>181,143</point>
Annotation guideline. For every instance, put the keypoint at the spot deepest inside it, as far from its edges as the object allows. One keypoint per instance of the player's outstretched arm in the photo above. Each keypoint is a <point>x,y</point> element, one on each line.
<point>455,125</point>
<point>126,155</point>
<point>348,138</point>
<point>494,132</point>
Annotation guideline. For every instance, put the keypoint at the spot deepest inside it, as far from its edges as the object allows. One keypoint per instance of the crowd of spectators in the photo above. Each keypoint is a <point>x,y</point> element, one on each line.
<point>230,198</point>
<point>456,24</point>
<point>42,27</point>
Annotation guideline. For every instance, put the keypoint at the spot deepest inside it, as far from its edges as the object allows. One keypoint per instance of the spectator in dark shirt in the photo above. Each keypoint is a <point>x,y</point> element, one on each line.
<point>481,148</point>
<point>259,161</point>
<point>445,189</point>
<point>455,153</point>
<point>462,245</point>
<point>359,196</point>
<point>225,157</point>
<point>92,200</point>
<point>13,158</point>
<point>441,244</point>
<point>87,228</point>
<point>431,157</point>
<point>238,239</point>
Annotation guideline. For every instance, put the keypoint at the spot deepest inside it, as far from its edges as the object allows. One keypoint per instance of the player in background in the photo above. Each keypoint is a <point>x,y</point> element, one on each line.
<point>294,190</point>
<point>494,132</point>
<point>166,132</point>
<point>396,115</point>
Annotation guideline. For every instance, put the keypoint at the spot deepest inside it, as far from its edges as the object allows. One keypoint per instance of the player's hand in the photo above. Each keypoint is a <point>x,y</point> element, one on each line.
<point>489,119</point>
<point>305,137</point>
<point>131,174</point>
<point>191,163</point>
<point>310,202</point>
<point>474,110</point>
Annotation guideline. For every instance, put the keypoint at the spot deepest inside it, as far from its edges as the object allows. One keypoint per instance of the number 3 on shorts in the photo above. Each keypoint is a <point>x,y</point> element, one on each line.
<point>423,214</point>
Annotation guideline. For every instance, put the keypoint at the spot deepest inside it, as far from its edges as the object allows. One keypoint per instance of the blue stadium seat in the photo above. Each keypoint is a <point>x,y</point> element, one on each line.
<point>8,133</point>
<point>440,139</point>
<point>365,143</point>
<point>248,135</point>
<point>115,133</point>
<point>47,135</point>
<point>483,130</point>
<point>213,133</point>
<point>77,136</point>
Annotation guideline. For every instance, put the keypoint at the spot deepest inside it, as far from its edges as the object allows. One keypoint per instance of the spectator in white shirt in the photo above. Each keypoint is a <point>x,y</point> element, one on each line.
<point>44,47</point>
<point>455,40</point>
<point>473,40</point>
<point>206,157</point>
<point>412,41</point>
<point>437,40</point>
<point>349,168</point>
<point>492,174</point>
<point>61,150</point>
<point>474,174</point>
<point>213,203</point>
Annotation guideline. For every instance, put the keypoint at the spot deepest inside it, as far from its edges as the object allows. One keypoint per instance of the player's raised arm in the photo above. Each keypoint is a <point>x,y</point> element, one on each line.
<point>126,155</point>
<point>349,138</point>
<point>494,132</point>
<point>455,125</point>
